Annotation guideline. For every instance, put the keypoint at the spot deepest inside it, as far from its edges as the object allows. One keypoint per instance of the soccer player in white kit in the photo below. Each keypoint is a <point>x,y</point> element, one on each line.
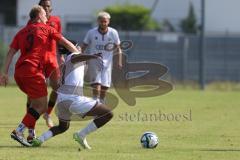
<point>97,40</point>
<point>71,101</point>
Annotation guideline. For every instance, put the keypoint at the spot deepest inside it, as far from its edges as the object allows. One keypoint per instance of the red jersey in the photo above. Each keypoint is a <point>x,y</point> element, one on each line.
<point>54,22</point>
<point>33,41</point>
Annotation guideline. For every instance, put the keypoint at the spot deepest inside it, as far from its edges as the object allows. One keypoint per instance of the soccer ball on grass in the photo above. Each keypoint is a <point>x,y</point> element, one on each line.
<point>149,140</point>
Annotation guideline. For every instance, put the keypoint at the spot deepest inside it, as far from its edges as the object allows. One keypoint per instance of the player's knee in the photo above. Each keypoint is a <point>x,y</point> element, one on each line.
<point>63,128</point>
<point>109,115</point>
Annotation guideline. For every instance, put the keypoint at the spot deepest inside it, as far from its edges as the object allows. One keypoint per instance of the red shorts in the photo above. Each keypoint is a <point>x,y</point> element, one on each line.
<point>34,86</point>
<point>52,68</point>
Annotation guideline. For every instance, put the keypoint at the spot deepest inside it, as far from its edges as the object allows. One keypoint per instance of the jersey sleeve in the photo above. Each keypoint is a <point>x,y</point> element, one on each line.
<point>59,25</point>
<point>87,39</point>
<point>54,34</point>
<point>15,42</point>
<point>116,38</point>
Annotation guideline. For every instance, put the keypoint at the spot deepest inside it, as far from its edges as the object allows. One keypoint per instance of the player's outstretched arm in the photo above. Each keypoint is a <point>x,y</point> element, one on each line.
<point>118,52</point>
<point>8,60</point>
<point>84,57</point>
<point>67,44</point>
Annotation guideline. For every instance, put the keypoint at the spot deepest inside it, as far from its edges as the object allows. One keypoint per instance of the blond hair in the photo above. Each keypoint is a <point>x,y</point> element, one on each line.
<point>103,14</point>
<point>36,9</point>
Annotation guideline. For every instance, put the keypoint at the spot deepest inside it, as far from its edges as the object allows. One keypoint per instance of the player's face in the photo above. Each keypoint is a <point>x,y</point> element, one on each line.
<point>47,6</point>
<point>43,16</point>
<point>103,23</point>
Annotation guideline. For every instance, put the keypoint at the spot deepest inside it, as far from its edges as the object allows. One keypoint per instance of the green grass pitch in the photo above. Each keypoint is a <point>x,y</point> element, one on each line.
<point>190,124</point>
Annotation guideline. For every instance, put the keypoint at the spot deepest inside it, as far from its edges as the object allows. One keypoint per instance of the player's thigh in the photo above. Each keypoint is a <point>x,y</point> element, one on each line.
<point>82,105</point>
<point>35,86</point>
<point>62,110</point>
<point>98,110</point>
<point>39,104</point>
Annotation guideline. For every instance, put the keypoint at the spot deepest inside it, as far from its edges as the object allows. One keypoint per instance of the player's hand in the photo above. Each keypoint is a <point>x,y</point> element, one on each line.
<point>79,49</point>
<point>4,80</point>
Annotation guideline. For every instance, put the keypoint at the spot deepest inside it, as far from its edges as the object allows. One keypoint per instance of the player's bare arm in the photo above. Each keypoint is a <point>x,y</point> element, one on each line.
<point>8,60</point>
<point>118,52</point>
<point>84,57</point>
<point>66,43</point>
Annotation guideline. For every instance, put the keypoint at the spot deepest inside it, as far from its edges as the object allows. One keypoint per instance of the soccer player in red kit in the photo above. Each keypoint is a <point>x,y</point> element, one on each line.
<point>32,41</point>
<point>51,60</point>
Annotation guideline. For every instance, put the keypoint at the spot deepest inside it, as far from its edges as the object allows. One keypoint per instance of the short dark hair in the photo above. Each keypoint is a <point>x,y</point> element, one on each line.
<point>35,11</point>
<point>64,50</point>
<point>41,1</point>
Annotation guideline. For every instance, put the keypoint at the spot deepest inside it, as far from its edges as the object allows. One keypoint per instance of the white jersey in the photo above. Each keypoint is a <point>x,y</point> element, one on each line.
<point>72,78</point>
<point>70,98</point>
<point>97,42</point>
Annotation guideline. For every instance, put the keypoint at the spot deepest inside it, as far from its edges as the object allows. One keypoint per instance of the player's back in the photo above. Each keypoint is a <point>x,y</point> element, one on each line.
<point>32,41</point>
<point>72,77</point>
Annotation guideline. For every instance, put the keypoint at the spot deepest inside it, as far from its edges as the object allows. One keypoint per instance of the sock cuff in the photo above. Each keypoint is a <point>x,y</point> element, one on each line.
<point>34,113</point>
<point>93,126</point>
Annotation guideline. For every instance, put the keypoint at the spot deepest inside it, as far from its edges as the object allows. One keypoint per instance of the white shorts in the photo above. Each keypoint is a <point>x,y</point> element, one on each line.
<point>103,76</point>
<point>67,105</point>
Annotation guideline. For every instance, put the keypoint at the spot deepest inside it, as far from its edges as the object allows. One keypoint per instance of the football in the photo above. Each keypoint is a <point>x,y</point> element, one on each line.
<point>149,140</point>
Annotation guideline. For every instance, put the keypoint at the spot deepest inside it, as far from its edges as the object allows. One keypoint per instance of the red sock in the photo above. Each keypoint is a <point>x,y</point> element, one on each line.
<point>29,121</point>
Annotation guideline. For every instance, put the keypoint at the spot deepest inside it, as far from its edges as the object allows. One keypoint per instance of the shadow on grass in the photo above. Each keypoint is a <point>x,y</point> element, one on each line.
<point>18,146</point>
<point>42,147</point>
<point>220,150</point>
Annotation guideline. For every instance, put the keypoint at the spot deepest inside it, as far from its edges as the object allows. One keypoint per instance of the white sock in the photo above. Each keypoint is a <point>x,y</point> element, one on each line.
<point>45,136</point>
<point>91,127</point>
<point>21,127</point>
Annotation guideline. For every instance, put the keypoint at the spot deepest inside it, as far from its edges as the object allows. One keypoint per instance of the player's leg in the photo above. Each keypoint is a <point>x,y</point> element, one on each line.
<point>31,131</point>
<point>28,103</point>
<point>96,90</point>
<point>36,90</point>
<point>94,77</point>
<point>52,71</point>
<point>64,116</point>
<point>51,104</point>
<point>106,78</point>
<point>38,106</point>
<point>55,130</point>
<point>102,115</point>
<point>103,94</point>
